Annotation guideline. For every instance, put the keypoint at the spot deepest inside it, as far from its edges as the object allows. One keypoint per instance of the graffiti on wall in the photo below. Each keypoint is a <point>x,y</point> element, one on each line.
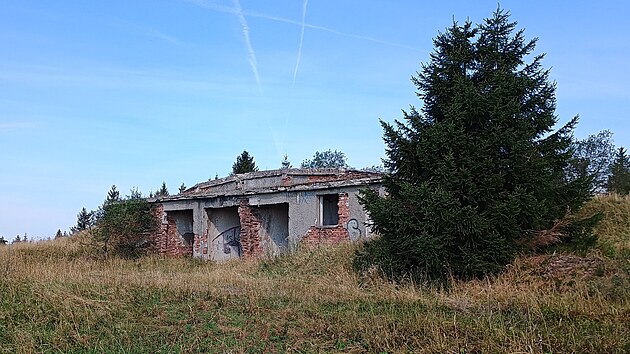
<point>231,238</point>
<point>353,230</point>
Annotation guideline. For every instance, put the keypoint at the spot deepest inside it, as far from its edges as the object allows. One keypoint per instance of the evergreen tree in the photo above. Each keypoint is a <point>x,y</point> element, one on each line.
<point>326,159</point>
<point>286,164</point>
<point>619,179</point>
<point>113,195</point>
<point>58,234</point>
<point>182,188</point>
<point>3,241</point>
<point>134,193</point>
<point>244,163</point>
<point>162,192</point>
<point>85,220</point>
<point>478,170</point>
<point>17,239</point>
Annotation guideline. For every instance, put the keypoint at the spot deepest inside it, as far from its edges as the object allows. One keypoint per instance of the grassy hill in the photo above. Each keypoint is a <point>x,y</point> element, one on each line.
<point>55,298</point>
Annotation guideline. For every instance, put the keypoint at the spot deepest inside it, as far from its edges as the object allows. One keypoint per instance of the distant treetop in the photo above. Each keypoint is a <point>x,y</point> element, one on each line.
<point>326,159</point>
<point>244,163</point>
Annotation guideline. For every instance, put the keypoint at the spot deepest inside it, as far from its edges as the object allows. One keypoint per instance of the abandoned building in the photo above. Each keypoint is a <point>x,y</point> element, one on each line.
<point>264,213</point>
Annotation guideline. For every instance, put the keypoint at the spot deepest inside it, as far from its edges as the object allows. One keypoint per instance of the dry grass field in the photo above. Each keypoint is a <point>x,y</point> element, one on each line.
<point>57,298</point>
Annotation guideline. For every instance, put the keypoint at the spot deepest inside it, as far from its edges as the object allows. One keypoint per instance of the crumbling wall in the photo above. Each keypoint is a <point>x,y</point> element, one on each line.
<point>251,225</point>
<point>201,245</point>
<point>166,239</point>
<point>331,234</point>
<point>345,176</point>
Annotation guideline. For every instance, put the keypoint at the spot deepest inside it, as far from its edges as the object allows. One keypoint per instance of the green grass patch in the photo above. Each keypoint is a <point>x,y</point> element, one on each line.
<point>54,297</point>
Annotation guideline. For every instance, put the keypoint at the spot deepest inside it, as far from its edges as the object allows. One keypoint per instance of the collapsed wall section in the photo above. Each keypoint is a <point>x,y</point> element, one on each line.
<point>251,225</point>
<point>169,240</point>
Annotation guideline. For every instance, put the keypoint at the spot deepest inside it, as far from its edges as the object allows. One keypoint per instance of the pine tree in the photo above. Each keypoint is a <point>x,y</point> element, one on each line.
<point>17,239</point>
<point>162,192</point>
<point>58,234</point>
<point>85,220</point>
<point>244,163</point>
<point>182,188</point>
<point>478,169</point>
<point>134,193</point>
<point>285,164</point>
<point>113,195</point>
<point>619,179</point>
<point>3,241</point>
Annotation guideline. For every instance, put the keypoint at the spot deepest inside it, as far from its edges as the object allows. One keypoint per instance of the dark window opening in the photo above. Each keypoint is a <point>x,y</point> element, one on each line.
<point>329,209</point>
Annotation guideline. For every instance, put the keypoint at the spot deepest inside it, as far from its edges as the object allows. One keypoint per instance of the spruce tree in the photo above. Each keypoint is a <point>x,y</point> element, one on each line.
<point>113,195</point>
<point>619,179</point>
<point>85,220</point>
<point>285,164</point>
<point>479,168</point>
<point>244,163</point>
<point>162,192</point>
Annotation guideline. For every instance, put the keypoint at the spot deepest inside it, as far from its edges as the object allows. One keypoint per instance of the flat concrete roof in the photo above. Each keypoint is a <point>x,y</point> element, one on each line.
<point>272,181</point>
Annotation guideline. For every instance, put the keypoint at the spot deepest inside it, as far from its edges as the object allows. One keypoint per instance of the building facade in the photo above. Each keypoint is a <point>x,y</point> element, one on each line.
<point>264,213</point>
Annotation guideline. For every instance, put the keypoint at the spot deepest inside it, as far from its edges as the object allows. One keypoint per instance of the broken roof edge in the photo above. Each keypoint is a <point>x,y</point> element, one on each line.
<point>197,191</point>
<point>271,190</point>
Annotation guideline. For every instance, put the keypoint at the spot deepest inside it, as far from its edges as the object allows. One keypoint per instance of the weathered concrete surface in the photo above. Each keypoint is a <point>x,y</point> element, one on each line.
<point>267,212</point>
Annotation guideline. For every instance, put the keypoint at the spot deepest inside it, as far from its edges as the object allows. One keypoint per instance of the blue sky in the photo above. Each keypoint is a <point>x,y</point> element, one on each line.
<point>134,93</point>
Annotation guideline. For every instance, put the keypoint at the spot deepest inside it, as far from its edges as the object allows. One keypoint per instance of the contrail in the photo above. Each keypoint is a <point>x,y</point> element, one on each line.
<point>299,56</point>
<point>326,29</point>
<point>219,8</point>
<point>251,56</point>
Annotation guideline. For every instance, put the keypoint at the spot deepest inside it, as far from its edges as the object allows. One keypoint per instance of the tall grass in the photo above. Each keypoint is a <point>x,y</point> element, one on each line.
<point>56,297</point>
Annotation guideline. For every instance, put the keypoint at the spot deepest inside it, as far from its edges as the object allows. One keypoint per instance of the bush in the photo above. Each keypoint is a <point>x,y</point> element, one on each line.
<point>125,227</point>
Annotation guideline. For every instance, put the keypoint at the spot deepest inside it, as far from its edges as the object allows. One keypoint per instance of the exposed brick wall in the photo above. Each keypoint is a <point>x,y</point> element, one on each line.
<point>201,245</point>
<point>167,240</point>
<point>250,230</point>
<point>331,234</point>
<point>286,180</point>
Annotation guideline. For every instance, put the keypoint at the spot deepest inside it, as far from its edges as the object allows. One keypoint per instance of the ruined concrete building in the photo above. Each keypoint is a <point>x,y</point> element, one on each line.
<point>264,213</point>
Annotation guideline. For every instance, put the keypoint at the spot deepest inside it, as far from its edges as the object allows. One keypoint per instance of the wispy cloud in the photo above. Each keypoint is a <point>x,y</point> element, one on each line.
<point>212,6</point>
<point>220,8</point>
<point>151,32</point>
<point>251,55</point>
<point>299,54</point>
